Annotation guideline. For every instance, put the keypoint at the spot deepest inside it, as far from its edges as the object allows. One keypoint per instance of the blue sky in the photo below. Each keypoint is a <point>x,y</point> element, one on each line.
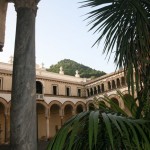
<point>61,33</point>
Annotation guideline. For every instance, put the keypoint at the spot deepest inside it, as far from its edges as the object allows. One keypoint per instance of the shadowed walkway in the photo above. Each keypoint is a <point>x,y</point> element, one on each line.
<point>42,145</point>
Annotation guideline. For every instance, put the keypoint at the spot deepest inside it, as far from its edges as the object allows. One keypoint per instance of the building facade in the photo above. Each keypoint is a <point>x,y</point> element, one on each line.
<point>58,97</point>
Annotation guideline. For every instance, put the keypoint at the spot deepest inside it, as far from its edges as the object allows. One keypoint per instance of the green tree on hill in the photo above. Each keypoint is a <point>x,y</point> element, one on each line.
<point>70,66</point>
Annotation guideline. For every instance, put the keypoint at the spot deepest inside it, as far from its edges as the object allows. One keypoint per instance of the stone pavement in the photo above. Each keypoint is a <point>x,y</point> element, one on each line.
<point>42,145</point>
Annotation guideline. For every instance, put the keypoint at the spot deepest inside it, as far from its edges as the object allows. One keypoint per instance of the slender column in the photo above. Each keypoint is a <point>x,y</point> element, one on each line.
<point>61,114</point>
<point>23,104</point>
<point>47,124</point>
<point>6,127</point>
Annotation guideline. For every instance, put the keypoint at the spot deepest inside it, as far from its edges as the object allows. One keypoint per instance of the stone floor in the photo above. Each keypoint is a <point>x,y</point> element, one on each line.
<point>42,145</point>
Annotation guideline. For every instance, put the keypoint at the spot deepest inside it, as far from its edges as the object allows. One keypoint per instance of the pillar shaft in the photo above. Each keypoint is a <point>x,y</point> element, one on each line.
<point>23,101</point>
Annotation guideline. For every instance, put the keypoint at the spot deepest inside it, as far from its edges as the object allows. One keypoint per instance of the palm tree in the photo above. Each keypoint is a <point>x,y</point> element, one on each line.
<point>101,130</point>
<point>23,101</point>
<point>107,127</point>
<point>125,25</point>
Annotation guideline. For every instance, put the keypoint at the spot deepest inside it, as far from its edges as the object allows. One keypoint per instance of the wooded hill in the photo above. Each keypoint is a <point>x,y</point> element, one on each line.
<point>70,66</point>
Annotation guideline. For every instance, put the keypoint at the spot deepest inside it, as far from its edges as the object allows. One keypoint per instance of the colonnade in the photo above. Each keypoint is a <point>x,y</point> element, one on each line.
<point>50,117</point>
<point>108,85</point>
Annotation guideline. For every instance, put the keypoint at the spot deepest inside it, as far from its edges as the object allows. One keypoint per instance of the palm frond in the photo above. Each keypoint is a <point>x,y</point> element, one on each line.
<point>100,130</point>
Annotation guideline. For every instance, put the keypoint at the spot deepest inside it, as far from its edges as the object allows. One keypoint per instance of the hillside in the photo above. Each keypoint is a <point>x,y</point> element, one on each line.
<point>70,66</point>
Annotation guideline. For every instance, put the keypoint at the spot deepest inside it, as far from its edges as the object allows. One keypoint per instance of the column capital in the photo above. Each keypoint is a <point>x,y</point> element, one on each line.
<point>32,4</point>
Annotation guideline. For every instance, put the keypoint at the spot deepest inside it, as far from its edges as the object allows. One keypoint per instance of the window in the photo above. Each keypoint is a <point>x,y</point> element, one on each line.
<point>103,87</point>
<point>95,90</point>
<point>99,89</point>
<point>109,85</point>
<point>39,87</point>
<point>55,89</point>
<point>79,93</point>
<point>88,92</point>
<point>68,91</point>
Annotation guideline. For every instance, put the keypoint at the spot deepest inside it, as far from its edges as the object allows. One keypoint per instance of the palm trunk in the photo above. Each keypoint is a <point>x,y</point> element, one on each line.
<point>23,102</point>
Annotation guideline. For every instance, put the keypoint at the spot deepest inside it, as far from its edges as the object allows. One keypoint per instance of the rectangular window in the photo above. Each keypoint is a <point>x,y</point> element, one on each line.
<point>79,93</point>
<point>68,91</point>
<point>55,89</point>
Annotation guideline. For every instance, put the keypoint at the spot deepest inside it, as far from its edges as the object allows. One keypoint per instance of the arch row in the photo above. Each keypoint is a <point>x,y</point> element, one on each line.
<point>50,117</point>
<point>107,86</point>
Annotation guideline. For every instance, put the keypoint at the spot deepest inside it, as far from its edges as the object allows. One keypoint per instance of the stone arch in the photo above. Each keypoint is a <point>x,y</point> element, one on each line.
<point>5,103</point>
<point>127,92</point>
<point>55,102</point>
<point>98,88</point>
<point>95,90</point>
<point>80,107</point>
<point>42,103</point>
<point>109,85</point>
<point>68,102</point>
<point>102,87</point>
<point>127,97</point>
<point>55,117</point>
<point>68,110</point>
<point>117,100</point>
<point>41,120</point>
<point>100,99</point>
<point>118,83</point>
<point>113,84</point>
<point>3,121</point>
<point>123,82</point>
<point>90,105</point>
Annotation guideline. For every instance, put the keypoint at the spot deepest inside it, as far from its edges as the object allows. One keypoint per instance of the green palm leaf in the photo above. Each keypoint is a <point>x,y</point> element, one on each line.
<point>112,132</point>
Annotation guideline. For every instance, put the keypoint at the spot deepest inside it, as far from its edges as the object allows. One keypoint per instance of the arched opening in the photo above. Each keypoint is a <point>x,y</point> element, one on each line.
<point>102,88</point>
<point>102,104</point>
<point>95,90</point>
<point>91,91</point>
<point>68,112</point>
<point>122,81</point>
<point>79,109</point>
<point>99,89</point>
<point>129,106</point>
<point>41,122</point>
<point>2,124</point>
<point>88,92</point>
<point>55,120</point>
<point>39,87</point>
<point>118,83</point>
<point>115,101</point>
<point>109,85</point>
<point>113,84</point>
<point>91,106</point>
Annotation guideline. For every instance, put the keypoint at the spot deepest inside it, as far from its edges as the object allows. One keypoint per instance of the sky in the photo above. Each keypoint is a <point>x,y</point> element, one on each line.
<point>61,33</point>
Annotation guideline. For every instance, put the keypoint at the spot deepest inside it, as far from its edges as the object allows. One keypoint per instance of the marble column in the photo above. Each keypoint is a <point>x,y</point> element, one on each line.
<point>23,101</point>
<point>47,124</point>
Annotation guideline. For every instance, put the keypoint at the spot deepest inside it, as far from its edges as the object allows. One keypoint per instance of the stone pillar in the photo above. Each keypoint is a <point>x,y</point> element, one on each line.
<point>61,114</point>
<point>23,101</point>
<point>47,124</point>
<point>6,128</point>
<point>3,10</point>
<point>73,112</point>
